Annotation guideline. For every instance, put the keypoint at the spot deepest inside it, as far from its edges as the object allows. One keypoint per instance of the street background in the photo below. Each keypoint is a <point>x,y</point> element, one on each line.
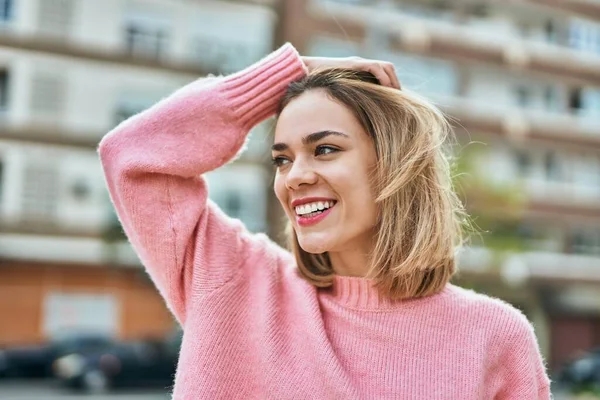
<point>520,80</point>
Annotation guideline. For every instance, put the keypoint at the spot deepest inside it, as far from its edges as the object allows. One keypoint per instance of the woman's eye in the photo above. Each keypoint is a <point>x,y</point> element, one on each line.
<point>279,161</point>
<point>324,150</point>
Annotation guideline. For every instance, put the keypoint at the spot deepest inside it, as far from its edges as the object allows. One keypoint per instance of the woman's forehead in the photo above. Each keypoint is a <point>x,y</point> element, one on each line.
<point>314,112</point>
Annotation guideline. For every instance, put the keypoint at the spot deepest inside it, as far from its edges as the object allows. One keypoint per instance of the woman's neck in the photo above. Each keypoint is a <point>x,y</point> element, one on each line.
<point>352,262</point>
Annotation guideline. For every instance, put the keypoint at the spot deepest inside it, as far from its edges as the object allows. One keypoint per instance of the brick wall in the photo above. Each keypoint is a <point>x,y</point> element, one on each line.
<point>24,288</point>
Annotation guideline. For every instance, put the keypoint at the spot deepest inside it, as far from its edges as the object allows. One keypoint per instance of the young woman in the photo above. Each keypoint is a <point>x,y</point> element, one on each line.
<point>362,308</point>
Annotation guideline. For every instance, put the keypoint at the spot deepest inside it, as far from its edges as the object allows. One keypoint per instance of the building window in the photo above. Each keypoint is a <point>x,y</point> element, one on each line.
<point>598,173</point>
<point>523,160</point>
<point>550,31</point>
<point>584,170</point>
<point>48,94</point>
<point>585,35</point>
<point>585,241</point>
<point>39,198</point>
<point>590,103</point>
<point>5,10</point>
<point>125,112</point>
<point>323,46</point>
<point>355,2</point>
<point>575,102</point>
<point>1,179</point>
<point>232,204</point>
<point>241,192</point>
<point>80,312</point>
<point>524,29</point>
<point>219,55</point>
<point>550,98</point>
<point>134,102</point>
<point>55,18</point>
<point>479,10</point>
<point>144,38</point>
<point>80,190</point>
<point>430,77</point>
<point>523,96</point>
<point>552,166</point>
<point>3,89</point>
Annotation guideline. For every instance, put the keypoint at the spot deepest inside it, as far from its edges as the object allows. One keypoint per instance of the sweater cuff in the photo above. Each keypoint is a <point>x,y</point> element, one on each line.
<point>255,91</point>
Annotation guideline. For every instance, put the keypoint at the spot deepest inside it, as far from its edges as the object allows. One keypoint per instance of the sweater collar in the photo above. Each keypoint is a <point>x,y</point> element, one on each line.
<point>360,293</point>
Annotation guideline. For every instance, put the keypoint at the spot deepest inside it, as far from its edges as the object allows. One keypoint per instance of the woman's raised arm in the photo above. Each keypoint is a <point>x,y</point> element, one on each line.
<point>153,164</point>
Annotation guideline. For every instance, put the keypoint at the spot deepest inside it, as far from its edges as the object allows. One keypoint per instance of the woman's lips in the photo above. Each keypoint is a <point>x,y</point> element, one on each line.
<point>308,221</point>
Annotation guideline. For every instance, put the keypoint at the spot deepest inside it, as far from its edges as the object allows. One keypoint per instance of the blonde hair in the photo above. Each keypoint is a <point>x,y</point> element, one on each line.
<point>420,217</point>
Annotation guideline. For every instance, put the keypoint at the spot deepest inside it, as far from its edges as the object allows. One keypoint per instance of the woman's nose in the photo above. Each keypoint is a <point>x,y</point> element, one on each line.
<point>300,174</point>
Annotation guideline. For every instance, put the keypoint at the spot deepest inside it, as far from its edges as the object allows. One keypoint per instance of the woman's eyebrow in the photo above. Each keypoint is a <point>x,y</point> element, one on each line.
<point>309,139</point>
<point>315,137</point>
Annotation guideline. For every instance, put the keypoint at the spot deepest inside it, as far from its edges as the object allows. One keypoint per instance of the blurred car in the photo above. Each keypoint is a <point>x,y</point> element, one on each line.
<point>581,374</point>
<point>3,364</point>
<point>36,360</point>
<point>128,364</point>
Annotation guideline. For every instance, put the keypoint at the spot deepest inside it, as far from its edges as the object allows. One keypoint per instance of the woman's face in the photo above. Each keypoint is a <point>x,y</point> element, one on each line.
<point>323,181</point>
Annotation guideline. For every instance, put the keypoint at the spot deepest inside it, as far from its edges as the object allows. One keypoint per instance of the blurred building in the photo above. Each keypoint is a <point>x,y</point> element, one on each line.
<point>70,70</point>
<point>521,78</point>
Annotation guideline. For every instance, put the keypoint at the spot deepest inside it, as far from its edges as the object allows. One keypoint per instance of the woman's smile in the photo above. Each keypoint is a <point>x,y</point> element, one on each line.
<point>314,217</point>
<point>312,210</point>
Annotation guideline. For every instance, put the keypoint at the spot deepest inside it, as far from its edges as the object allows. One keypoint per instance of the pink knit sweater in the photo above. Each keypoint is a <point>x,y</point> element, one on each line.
<point>253,329</point>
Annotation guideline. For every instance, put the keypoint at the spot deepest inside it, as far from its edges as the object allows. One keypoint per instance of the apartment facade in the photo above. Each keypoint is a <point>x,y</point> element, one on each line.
<point>70,70</point>
<point>523,80</point>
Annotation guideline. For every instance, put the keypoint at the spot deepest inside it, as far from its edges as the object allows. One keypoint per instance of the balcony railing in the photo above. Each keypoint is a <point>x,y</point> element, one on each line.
<point>521,125</point>
<point>72,249</point>
<point>452,41</point>
<point>519,268</point>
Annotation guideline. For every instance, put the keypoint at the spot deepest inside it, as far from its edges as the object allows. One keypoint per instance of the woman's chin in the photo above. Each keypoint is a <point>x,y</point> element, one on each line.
<point>313,246</point>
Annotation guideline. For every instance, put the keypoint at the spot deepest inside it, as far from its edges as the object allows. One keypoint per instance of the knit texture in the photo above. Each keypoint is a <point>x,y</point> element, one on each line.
<point>253,329</point>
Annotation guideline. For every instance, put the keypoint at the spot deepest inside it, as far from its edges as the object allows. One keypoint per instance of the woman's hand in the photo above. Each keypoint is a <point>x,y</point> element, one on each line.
<point>383,71</point>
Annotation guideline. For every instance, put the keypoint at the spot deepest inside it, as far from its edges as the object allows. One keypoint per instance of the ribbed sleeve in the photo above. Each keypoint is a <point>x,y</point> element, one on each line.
<point>153,165</point>
<point>255,92</point>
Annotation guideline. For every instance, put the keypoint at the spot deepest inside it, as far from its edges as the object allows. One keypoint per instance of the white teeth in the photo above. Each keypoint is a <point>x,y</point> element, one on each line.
<point>312,207</point>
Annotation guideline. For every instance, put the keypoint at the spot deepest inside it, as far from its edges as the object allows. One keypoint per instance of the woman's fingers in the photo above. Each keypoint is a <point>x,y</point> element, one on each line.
<point>383,71</point>
<point>391,71</point>
<point>377,69</point>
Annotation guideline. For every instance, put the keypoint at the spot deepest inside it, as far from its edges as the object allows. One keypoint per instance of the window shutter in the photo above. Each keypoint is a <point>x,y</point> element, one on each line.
<point>55,17</point>
<point>39,197</point>
<point>48,95</point>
